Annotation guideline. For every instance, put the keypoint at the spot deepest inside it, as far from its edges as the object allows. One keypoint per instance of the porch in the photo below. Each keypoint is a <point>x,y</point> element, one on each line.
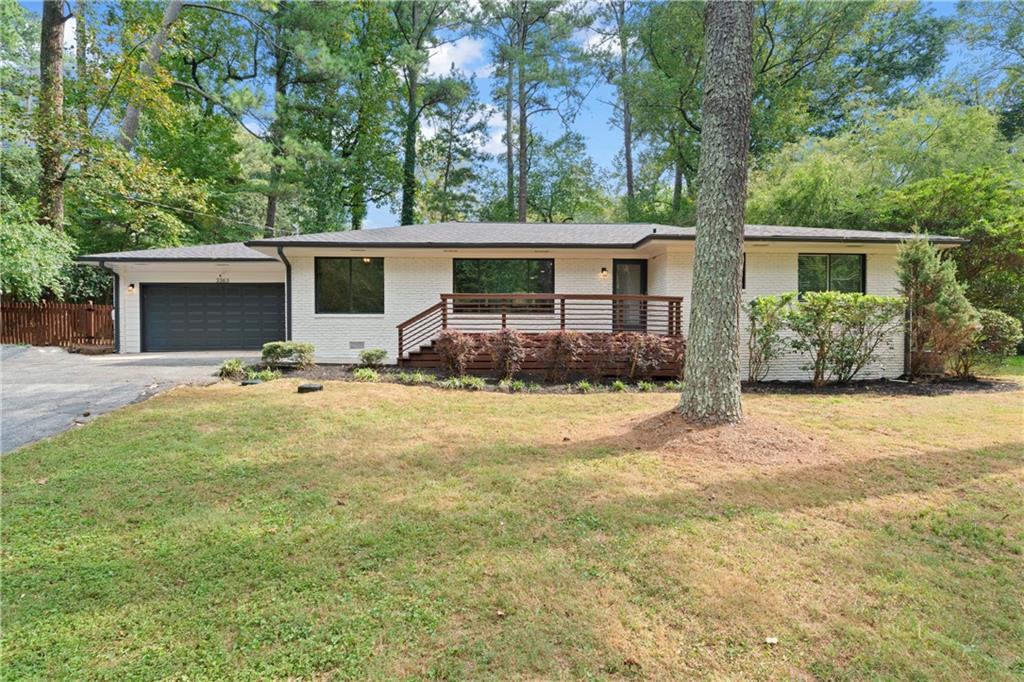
<point>608,322</point>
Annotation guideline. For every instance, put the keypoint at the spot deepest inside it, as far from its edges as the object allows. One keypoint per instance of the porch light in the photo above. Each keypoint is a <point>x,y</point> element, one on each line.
<point>131,288</point>
<point>604,273</point>
<point>366,259</point>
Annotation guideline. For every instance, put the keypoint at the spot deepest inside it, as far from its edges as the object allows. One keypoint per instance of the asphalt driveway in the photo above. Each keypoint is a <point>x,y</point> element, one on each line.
<point>47,390</point>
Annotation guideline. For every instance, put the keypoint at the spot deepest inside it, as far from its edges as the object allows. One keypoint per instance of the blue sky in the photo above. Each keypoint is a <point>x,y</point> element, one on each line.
<point>604,140</point>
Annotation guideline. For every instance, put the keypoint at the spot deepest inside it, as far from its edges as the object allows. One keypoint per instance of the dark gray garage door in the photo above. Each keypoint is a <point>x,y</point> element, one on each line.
<point>211,316</point>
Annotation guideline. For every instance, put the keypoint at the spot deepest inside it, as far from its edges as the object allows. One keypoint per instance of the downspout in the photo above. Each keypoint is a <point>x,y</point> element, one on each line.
<point>287,292</point>
<point>117,306</point>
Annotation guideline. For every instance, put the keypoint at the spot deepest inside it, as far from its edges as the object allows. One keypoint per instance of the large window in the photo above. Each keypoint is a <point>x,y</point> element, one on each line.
<point>504,276</point>
<point>831,272</point>
<point>349,285</point>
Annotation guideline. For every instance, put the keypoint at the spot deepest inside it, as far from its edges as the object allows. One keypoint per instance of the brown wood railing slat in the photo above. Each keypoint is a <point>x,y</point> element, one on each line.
<point>56,324</point>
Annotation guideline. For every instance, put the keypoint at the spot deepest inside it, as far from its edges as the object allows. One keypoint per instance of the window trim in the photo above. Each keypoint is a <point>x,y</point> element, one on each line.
<point>316,290</point>
<point>828,269</point>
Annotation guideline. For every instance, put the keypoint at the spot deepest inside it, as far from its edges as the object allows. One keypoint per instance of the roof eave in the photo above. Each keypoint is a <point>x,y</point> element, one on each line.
<point>192,259</point>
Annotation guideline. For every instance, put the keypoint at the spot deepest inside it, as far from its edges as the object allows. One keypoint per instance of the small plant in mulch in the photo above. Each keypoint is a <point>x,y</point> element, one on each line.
<point>415,378</point>
<point>470,383</point>
<point>366,374</point>
<point>619,386</point>
<point>372,357</point>
<point>646,386</point>
<point>268,374</point>
<point>583,386</point>
<point>296,353</point>
<point>232,368</point>
<point>513,386</point>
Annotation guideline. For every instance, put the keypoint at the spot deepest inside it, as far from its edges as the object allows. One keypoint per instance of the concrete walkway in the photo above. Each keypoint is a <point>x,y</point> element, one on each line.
<point>45,391</point>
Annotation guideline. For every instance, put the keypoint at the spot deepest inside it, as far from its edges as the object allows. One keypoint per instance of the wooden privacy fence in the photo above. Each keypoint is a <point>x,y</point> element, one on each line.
<point>56,324</point>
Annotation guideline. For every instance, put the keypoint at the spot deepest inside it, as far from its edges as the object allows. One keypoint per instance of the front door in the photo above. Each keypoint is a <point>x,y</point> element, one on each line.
<point>629,277</point>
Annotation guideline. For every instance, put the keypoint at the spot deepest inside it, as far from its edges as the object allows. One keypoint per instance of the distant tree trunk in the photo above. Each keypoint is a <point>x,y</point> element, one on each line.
<point>510,173</point>
<point>275,135</point>
<point>677,189</point>
<point>523,139</point>
<point>711,393</point>
<point>411,129</point>
<point>81,65</point>
<point>627,112</point>
<point>50,121</point>
<point>130,123</point>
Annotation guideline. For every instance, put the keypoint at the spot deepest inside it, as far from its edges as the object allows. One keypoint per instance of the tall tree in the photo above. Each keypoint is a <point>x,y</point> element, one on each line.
<point>712,390</point>
<point>418,22</point>
<point>50,120</point>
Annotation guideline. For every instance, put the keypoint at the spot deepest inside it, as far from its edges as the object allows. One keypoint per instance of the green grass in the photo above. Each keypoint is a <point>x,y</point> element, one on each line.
<point>1013,366</point>
<point>378,531</point>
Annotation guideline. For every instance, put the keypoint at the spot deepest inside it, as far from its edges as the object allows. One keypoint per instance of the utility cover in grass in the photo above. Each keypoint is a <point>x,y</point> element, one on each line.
<point>310,388</point>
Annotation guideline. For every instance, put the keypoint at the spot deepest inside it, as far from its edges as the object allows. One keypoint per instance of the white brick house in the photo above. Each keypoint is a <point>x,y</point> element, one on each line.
<point>346,291</point>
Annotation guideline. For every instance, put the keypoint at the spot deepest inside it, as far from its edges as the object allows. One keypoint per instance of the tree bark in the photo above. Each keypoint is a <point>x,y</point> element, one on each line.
<point>50,121</point>
<point>81,64</point>
<point>411,129</point>
<point>276,137</point>
<point>711,393</point>
<point>130,123</point>
<point>510,172</point>
<point>627,112</point>
<point>523,134</point>
<point>677,189</point>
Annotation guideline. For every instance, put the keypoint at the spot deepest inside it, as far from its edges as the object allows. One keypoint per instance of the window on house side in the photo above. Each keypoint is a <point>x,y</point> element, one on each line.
<point>349,285</point>
<point>831,272</point>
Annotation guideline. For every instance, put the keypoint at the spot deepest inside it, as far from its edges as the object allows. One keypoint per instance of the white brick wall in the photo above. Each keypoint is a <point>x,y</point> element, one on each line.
<point>414,282</point>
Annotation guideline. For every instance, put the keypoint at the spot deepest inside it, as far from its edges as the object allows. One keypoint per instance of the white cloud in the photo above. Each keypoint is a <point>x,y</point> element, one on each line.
<point>467,54</point>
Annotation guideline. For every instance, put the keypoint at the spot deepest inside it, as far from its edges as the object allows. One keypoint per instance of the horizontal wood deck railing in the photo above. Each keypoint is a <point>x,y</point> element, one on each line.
<point>539,313</point>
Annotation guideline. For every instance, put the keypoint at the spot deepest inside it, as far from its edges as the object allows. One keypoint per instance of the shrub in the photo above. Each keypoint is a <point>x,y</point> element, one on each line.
<point>603,349</point>
<point>368,374</point>
<point>232,368</point>
<point>645,386</point>
<point>508,350</point>
<point>372,357</point>
<point>512,386</point>
<point>414,378</point>
<point>253,374</point>
<point>998,338</point>
<point>673,385</point>
<point>619,386</point>
<point>276,353</point>
<point>563,350</point>
<point>942,321</point>
<point>583,386</point>
<point>841,332</point>
<point>456,350</point>
<point>767,318</point>
<point>646,353</point>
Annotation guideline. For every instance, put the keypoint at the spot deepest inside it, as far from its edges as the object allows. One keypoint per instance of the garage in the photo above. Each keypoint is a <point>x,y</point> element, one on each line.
<point>211,316</point>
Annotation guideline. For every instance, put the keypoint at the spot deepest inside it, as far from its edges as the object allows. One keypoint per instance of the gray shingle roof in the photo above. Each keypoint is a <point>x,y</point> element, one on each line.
<point>233,251</point>
<point>564,235</point>
<point>499,235</point>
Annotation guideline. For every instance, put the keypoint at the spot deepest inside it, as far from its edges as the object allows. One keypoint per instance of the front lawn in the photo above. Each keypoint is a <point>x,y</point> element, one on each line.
<point>387,532</point>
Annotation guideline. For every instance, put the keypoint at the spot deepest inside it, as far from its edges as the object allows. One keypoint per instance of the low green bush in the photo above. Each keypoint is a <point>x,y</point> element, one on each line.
<point>996,339</point>
<point>415,378</point>
<point>372,357</point>
<point>583,386</point>
<point>253,374</point>
<point>766,316</point>
<point>276,353</point>
<point>619,386</point>
<point>469,383</point>
<point>367,374</point>
<point>232,368</point>
<point>673,385</point>
<point>645,386</point>
<point>512,385</point>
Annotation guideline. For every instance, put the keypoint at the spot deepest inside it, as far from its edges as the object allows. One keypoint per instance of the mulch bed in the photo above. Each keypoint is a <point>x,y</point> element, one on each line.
<point>883,387</point>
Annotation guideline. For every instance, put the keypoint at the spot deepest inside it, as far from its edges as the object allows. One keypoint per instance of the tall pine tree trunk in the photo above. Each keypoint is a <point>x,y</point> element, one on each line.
<point>711,393</point>
<point>50,117</point>
<point>510,172</point>
<point>627,112</point>
<point>130,123</point>
<point>81,64</point>
<point>275,135</point>
<point>523,139</point>
<point>411,129</point>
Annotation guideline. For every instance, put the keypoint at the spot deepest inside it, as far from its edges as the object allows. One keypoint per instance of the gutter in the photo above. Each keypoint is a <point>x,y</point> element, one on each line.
<point>287,292</point>
<point>117,305</point>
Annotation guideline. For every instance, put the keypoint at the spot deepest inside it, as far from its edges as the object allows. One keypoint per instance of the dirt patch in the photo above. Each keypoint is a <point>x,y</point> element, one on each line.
<point>944,386</point>
<point>756,439</point>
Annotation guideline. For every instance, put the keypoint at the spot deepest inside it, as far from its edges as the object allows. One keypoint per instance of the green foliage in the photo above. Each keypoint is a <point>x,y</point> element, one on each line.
<point>268,374</point>
<point>367,374</point>
<point>842,332</point>
<point>583,386</point>
<point>466,382</point>
<point>619,386</point>
<point>415,378</point>
<point>996,339</point>
<point>512,386</point>
<point>296,353</point>
<point>456,350</point>
<point>646,386</point>
<point>372,357</point>
<point>942,320</point>
<point>33,256</point>
<point>766,317</point>
<point>508,350</point>
<point>232,368</point>
<point>673,385</point>
<point>564,184</point>
<point>562,351</point>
